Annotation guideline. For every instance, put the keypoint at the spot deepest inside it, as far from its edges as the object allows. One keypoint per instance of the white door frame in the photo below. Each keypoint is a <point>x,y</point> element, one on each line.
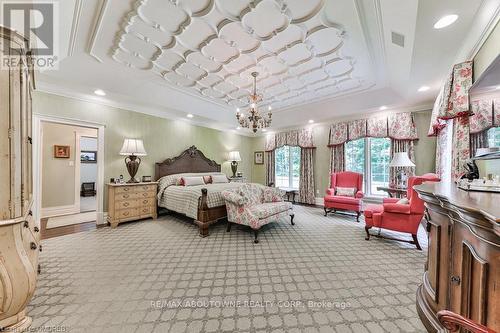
<point>37,160</point>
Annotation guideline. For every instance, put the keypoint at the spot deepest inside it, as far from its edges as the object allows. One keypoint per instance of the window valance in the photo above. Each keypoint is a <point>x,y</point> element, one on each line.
<point>398,126</point>
<point>302,138</point>
<point>486,114</point>
<point>453,99</point>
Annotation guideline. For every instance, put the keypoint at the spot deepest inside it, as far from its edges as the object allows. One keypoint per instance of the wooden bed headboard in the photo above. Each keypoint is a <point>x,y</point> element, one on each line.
<point>190,160</point>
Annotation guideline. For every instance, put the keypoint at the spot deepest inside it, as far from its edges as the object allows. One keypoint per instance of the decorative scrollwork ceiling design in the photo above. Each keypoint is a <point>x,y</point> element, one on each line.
<point>211,47</point>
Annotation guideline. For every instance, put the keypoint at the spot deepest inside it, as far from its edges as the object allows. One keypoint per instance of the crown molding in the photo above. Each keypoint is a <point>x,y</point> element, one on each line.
<point>159,112</point>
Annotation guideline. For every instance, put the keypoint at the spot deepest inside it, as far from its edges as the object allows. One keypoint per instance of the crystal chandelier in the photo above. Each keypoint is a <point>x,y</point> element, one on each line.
<point>254,120</point>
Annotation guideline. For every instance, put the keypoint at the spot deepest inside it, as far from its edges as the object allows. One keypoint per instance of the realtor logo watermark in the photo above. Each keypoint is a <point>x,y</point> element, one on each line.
<point>37,21</point>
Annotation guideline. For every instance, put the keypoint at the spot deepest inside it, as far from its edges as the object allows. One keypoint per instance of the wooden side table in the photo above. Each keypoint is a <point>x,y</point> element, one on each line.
<point>393,192</point>
<point>290,193</point>
<point>130,202</point>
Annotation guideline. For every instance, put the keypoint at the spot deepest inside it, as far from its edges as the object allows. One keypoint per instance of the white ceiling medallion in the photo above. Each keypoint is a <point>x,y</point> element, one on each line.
<point>212,46</point>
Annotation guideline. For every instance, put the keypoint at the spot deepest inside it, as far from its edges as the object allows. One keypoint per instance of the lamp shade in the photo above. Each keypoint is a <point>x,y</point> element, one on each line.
<point>401,160</point>
<point>234,156</point>
<point>133,147</point>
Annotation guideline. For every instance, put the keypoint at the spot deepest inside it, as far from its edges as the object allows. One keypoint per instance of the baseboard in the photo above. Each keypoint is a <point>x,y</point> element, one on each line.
<point>59,210</point>
<point>319,202</point>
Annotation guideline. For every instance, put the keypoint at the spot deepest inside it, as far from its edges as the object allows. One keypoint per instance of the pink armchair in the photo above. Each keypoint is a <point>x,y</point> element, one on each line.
<point>399,217</point>
<point>334,202</point>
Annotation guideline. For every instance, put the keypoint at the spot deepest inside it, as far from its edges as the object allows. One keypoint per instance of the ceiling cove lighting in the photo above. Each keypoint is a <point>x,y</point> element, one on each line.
<point>445,21</point>
<point>189,115</point>
<point>382,108</point>
<point>99,92</point>
<point>423,88</point>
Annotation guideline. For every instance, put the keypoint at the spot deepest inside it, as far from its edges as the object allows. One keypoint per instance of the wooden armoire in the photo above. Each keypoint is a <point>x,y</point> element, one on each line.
<point>19,232</point>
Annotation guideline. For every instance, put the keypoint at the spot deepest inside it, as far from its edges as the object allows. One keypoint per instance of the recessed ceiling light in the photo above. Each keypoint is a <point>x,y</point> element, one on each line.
<point>100,92</point>
<point>382,108</point>
<point>237,109</point>
<point>311,121</point>
<point>423,88</point>
<point>264,130</point>
<point>238,128</point>
<point>445,21</point>
<point>189,115</point>
<point>497,88</point>
<point>269,108</point>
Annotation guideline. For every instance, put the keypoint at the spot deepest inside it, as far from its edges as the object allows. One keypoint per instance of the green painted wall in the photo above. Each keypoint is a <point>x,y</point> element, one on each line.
<point>425,152</point>
<point>163,138</point>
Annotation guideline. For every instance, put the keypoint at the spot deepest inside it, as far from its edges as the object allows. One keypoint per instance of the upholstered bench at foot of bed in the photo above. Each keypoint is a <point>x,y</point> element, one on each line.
<point>255,205</point>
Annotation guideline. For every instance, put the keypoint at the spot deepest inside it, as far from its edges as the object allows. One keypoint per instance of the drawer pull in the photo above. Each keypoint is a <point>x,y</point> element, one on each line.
<point>33,246</point>
<point>455,279</point>
<point>26,224</point>
<point>126,204</point>
<point>126,196</point>
<point>125,214</point>
<point>30,140</point>
<point>144,201</point>
<point>40,247</point>
<point>36,229</point>
<point>39,270</point>
<point>30,213</point>
<point>126,189</point>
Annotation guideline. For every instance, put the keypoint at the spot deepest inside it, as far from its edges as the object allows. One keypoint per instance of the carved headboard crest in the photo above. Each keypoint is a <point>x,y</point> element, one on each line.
<point>190,160</point>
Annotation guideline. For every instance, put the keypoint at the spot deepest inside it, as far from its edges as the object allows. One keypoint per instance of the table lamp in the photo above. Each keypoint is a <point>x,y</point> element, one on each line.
<point>133,148</point>
<point>234,157</point>
<point>401,160</point>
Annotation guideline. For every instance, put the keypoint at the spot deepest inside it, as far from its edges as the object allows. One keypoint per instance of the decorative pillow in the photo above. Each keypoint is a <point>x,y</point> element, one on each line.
<point>193,181</point>
<point>216,179</point>
<point>345,191</point>
<point>207,179</point>
<point>179,182</point>
<point>403,201</point>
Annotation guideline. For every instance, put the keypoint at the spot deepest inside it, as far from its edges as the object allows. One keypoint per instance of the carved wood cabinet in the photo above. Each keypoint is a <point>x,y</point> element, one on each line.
<point>462,273</point>
<point>19,232</point>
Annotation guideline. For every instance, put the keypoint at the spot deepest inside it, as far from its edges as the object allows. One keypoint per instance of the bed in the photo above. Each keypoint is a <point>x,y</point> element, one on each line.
<point>202,203</point>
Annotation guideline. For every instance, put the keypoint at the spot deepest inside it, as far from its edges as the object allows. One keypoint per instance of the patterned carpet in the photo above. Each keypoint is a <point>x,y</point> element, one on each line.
<point>317,276</point>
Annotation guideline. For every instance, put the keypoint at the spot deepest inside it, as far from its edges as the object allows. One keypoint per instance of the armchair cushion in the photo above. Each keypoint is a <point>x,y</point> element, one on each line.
<point>397,208</point>
<point>343,200</point>
<point>390,200</point>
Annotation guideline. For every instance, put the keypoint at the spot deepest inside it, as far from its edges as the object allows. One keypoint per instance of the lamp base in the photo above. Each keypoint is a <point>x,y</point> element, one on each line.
<point>234,168</point>
<point>132,167</point>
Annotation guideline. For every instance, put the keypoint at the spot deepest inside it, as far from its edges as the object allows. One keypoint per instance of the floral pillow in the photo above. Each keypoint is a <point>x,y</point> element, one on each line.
<point>345,191</point>
<point>403,201</point>
<point>207,179</point>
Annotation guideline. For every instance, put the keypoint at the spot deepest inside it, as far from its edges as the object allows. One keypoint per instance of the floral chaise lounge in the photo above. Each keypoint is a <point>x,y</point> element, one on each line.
<point>255,205</point>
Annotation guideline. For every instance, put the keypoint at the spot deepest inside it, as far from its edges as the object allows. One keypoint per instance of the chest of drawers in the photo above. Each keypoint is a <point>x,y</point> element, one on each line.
<point>130,202</point>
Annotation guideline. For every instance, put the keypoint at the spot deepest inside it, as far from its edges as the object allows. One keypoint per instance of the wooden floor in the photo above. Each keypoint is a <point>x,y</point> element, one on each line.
<point>65,230</point>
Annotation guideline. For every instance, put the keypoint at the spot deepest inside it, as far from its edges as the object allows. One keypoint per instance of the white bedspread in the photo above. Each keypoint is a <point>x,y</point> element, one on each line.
<point>184,199</point>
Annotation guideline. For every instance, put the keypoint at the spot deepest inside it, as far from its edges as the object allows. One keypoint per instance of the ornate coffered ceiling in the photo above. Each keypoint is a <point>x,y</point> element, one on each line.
<point>210,47</point>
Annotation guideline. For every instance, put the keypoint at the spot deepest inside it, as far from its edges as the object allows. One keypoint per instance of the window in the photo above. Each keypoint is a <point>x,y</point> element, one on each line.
<point>287,166</point>
<point>371,157</point>
<point>494,137</point>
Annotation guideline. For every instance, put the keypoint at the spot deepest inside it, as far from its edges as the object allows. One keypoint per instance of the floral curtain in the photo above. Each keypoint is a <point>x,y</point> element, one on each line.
<point>377,127</point>
<point>270,172</point>
<point>398,146</point>
<point>496,112</point>
<point>338,134</point>
<point>290,138</point>
<point>402,126</point>
<point>270,142</point>
<point>478,140</point>
<point>306,180</point>
<point>356,129</point>
<point>337,158</point>
<point>482,119</point>
<point>460,147</point>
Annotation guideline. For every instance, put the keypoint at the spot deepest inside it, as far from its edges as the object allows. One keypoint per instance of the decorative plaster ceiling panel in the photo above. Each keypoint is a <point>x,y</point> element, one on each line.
<point>210,47</point>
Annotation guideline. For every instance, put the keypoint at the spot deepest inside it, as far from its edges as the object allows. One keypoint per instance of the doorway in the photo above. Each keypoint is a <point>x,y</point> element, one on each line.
<point>69,175</point>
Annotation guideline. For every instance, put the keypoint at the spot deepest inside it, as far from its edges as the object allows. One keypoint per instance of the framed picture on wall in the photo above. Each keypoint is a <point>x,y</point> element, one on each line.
<point>61,151</point>
<point>258,157</point>
<point>88,156</point>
